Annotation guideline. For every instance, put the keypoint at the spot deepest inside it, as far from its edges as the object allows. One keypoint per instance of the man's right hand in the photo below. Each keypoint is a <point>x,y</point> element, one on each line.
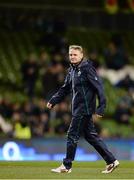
<point>49,106</point>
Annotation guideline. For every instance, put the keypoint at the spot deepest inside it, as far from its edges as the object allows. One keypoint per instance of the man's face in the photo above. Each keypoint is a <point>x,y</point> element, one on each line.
<point>75,56</point>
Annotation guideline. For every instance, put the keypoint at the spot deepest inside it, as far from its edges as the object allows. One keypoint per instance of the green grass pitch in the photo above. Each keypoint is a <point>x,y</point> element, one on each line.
<point>81,170</point>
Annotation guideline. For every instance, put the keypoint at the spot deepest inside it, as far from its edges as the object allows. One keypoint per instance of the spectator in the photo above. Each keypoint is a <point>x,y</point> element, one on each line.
<point>116,61</point>
<point>126,83</point>
<point>122,114</point>
<point>44,115</point>
<point>63,125</point>
<point>22,129</point>
<point>29,71</point>
<point>124,108</point>
<point>115,55</point>
<point>44,121</point>
<point>44,61</point>
<point>50,79</point>
<point>93,56</point>
<point>6,108</point>
<point>5,126</point>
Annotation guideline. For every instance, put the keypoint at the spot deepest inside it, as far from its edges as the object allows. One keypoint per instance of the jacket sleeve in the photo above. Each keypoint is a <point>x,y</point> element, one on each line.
<point>62,92</point>
<point>97,84</point>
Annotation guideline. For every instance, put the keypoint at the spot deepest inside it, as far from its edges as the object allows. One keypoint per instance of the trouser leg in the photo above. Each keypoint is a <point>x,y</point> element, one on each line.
<point>92,137</point>
<point>73,136</point>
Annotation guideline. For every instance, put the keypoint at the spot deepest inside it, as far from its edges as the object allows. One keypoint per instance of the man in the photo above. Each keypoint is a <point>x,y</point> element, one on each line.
<point>85,84</point>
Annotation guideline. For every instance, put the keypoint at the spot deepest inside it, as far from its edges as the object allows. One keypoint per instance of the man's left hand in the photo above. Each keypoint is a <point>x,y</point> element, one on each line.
<point>96,117</point>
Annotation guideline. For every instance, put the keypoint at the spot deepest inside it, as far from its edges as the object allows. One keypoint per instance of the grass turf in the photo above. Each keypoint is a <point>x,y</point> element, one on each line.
<point>81,170</point>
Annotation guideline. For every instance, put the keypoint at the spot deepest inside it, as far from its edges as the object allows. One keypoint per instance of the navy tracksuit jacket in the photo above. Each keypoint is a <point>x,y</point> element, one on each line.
<point>84,83</point>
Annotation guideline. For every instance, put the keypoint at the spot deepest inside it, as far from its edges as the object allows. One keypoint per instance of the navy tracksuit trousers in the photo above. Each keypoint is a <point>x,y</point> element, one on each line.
<point>84,124</point>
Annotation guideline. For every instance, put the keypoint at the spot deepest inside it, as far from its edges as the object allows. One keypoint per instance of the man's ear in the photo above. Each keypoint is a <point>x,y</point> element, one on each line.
<point>82,55</point>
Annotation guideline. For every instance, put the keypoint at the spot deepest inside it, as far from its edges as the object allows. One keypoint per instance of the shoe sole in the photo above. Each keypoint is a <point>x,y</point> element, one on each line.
<point>61,171</point>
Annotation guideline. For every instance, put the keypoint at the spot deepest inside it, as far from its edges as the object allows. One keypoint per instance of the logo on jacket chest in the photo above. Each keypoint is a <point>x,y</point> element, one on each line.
<point>79,72</point>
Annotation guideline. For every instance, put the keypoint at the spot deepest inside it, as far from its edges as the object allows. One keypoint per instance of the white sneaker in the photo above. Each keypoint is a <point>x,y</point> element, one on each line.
<point>61,169</point>
<point>111,167</point>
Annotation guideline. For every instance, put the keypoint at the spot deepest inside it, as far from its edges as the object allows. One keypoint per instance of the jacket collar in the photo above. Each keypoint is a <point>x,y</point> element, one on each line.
<point>82,63</point>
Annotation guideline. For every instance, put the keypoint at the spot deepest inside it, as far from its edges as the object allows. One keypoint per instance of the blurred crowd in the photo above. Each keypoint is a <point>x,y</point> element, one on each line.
<point>29,19</point>
<point>31,118</point>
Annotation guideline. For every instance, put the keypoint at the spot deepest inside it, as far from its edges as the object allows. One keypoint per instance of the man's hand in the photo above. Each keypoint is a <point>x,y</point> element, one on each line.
<point>49,106</point>
<point>96,117</point>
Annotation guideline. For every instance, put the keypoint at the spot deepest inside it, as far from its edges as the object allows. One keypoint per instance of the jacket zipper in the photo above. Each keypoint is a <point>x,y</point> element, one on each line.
<point>84,96</point>
<point>73,88</point>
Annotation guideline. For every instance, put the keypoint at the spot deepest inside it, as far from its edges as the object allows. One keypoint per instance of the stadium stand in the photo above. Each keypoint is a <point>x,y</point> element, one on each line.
<point>23,33</point>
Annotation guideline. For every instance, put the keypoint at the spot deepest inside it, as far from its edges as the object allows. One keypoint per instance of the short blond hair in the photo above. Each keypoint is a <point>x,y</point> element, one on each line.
<point>76,47</point>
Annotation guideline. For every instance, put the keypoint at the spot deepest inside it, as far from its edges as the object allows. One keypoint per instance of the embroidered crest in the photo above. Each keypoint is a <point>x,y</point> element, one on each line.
<point>79,72</point>
<point>96,78</point>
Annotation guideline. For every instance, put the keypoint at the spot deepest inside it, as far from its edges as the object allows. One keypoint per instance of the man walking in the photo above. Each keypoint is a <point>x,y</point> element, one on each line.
<point>85,85</point>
